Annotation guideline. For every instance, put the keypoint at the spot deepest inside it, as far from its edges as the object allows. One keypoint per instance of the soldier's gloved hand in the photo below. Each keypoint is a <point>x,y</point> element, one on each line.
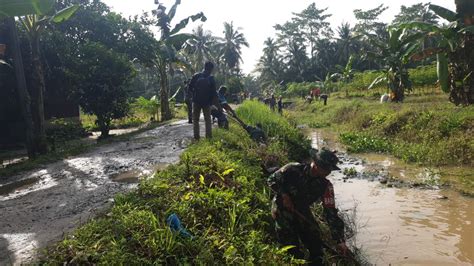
<point>287,202</point>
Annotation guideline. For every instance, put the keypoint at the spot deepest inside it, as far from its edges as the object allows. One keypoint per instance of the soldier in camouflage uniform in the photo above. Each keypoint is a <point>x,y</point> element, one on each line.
<point>296,187</point>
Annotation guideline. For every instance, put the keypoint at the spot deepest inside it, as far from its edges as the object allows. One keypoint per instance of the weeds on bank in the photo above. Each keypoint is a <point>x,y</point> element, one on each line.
<point>433,133</point>
<point>426,130</point>
<point>219,191</point>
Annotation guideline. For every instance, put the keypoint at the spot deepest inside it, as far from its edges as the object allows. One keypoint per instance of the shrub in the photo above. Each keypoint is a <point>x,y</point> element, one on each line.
<point>359,142</point>
<point>61,130</point>
<point>100,76</point>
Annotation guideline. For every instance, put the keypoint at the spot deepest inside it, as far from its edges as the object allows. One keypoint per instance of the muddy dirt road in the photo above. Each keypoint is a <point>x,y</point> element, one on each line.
<point>38,207</point>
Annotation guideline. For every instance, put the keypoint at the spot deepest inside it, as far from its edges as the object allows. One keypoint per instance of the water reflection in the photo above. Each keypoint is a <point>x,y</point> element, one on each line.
<point>410,226</point>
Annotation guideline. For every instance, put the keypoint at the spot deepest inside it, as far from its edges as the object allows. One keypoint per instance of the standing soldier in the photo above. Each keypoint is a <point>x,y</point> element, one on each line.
<point>280,105</point>
<point>324,97</point>
<point>203,86</point>
<point>272,103</point>
<point>296,187</point>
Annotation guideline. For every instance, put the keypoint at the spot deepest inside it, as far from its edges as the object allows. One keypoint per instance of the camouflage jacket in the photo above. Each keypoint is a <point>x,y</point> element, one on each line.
<point>295,180</point>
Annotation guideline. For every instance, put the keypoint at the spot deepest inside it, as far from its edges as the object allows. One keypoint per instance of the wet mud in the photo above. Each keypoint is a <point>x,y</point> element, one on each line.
<point>402,215</point>
<point>37,208</point>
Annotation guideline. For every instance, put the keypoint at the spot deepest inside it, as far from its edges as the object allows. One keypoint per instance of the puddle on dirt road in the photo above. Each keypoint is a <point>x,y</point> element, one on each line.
<point>403,225</point>
<point>132,176</point>
<point>160,166</point>
<point>17,186</point>
<point>135,176</point>
<point>114,132</point>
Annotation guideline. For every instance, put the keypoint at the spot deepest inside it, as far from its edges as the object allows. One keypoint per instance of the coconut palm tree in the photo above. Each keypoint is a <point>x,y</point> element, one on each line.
<point>269,65</point>
<point>200,46</point>
<point>346,43</point>
<point>231,46</point>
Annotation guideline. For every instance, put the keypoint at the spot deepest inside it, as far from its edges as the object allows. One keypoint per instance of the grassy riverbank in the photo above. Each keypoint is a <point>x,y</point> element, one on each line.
<point>219,191</point>
<point>425,130</point>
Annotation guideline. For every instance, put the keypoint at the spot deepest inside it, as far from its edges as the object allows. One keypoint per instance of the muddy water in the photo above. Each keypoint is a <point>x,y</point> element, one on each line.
<point>134,176</point>
<point>402,225</point>
<point>18,186</point>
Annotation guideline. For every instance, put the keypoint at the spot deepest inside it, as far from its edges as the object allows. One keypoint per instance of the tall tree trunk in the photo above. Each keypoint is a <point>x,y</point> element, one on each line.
<point>164,93</point>
<point>104,126</point>
<point>37,93</point>
<point>23,94</point>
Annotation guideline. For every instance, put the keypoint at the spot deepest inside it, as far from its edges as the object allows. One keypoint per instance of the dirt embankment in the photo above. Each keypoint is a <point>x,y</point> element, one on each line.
<point>38,207</point>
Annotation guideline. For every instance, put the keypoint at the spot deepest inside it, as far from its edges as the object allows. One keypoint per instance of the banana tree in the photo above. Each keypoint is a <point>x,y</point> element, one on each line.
<point>345,75</point>
<point>455,50</point>
<point>394,56</point>
<point>34,16</point>
<point>171,41</point>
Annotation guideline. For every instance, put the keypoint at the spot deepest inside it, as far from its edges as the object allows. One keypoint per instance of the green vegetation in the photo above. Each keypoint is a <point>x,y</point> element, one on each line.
<point>219,191</point>
<point>62,130</point>
<point>453,49</point>
<point>102,91</point>
<point>426,130</point>
<point>423,78</point>
<point>287,142</point>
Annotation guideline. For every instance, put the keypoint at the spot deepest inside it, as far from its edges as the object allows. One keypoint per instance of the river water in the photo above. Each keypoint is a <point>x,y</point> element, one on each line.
<point>401,225</point>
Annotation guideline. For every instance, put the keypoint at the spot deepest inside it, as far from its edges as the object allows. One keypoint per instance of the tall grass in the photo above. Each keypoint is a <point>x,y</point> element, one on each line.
<point>277,127</point>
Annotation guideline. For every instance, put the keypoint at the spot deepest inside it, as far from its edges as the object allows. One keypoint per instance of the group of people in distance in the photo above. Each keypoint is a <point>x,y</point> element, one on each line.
<point>315,94</point>
<point>273,103</point>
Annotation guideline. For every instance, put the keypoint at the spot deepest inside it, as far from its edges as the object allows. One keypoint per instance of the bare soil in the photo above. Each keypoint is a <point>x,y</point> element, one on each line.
<point>37,208</point>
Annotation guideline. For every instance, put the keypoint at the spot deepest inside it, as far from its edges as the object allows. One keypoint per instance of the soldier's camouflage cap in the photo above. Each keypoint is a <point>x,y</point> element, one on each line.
<point>325,158</point>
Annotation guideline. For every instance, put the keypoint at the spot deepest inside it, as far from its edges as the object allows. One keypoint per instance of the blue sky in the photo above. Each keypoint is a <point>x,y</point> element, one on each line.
<point>257,17</point>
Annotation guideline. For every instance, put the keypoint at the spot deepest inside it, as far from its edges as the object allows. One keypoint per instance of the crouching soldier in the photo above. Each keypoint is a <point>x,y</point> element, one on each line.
<point>296,187</point>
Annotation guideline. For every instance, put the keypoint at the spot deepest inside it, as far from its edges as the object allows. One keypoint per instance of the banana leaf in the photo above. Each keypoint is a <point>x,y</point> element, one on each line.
<point>442,71</point>
<point>183,23</point>
<point>378,80</point>
<point>172,12</point>
<point>444,12</point>
<point>12,8</point>
<point>64,14</point>
<point>420,25</point>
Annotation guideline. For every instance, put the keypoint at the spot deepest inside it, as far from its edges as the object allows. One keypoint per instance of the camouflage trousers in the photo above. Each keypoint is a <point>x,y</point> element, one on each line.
<point>291,230</point>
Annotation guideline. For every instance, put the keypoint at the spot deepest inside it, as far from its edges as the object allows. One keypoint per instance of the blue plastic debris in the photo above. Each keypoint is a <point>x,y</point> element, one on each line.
<point>174,223</point>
